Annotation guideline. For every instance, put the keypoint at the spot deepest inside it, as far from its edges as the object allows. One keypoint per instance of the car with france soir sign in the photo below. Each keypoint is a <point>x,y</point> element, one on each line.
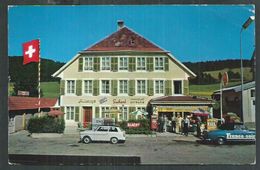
<point>111,134</point>
<point>230,132</point>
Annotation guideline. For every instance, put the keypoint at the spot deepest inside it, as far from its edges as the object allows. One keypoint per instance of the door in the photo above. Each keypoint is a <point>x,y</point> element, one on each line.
<point>87,117</point>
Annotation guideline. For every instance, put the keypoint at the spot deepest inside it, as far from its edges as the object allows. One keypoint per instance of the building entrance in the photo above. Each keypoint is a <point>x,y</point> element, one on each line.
<point>87,116</point>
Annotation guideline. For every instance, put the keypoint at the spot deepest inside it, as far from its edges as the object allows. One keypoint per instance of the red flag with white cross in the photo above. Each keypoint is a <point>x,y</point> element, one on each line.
<point>31,51</point>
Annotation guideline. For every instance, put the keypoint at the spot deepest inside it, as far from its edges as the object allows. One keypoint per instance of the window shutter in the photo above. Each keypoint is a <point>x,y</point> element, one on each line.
<point>131,64</point>
<point>166,64</point>
<point>95,87</point>
<point>114,87</point>
<point>80,66</point>
<point>186,87</point>
<point>62,110</point>
<point>79,87</point>
<point>96,64</point>
<point>97,112</point>
<point>149,64</point>
<point>114,64</point>
<point>150,88</point>
<point>76,114</point>
<point>168,88</point>
<point>131,88</point>
<point>62,87</point>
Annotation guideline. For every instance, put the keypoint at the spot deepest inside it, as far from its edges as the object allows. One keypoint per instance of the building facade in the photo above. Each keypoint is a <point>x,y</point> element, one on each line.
<point>231,98</point>
<point>122,72</point>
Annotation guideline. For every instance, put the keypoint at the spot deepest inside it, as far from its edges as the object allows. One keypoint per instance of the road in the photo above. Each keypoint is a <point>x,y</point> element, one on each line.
<point>165,149</point>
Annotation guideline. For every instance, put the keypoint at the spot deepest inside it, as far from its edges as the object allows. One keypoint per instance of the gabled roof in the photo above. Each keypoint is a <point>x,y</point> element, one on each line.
<point>125,40</point>
<point>26,103</point>
<point>180,99</point>
<point>122,41</point>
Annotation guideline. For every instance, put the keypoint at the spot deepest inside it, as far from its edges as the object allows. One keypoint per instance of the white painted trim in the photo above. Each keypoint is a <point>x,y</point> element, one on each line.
<point>100,87</point>
<point>87,71</point>
<point>101,70</point>
<point>75,87</point>
<point>145,65</point>
<point>118,63</point>
<point>83,87</point>
<point>163,64</point>
<point>182,87</point>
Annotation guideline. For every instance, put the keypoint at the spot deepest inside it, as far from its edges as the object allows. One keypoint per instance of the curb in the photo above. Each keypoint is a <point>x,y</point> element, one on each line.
<point>46,135</point>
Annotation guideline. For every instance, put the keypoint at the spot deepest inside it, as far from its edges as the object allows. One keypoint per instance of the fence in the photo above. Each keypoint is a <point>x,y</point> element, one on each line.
<point>19,122</point>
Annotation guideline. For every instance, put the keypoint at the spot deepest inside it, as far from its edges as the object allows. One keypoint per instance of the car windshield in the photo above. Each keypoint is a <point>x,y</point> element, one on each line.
<point>232,126</point>
<point>240,127</point>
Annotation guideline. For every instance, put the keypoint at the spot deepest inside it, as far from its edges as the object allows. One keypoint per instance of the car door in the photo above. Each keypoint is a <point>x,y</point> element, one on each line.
<point>102,134</point>
<point>113,132</point>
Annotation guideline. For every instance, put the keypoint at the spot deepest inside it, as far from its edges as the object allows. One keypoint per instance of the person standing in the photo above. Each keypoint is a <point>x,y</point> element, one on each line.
<point>165,123</point>
<point>178,123</point>
<point>186,124</point>
<point>198,126</point>
<point>160,124</point>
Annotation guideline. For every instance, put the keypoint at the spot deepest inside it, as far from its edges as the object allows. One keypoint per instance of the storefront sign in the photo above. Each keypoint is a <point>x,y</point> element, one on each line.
<point>180,108</point>
<point>133,125</point>
<point>119,101</point>
<point>212,124</point>
<point>137,101</point>
<point>87,101</point>
<point>103,100</point>
<point>23,93</point>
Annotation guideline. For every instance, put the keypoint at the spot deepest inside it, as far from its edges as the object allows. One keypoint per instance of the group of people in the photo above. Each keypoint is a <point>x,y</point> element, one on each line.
<point>179,124</point>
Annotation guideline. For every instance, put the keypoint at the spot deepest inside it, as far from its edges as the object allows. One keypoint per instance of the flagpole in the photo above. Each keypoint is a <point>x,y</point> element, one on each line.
<point>39,79</point>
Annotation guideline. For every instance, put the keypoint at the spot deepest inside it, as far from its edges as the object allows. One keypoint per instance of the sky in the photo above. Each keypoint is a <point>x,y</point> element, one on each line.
<point>191,33</point>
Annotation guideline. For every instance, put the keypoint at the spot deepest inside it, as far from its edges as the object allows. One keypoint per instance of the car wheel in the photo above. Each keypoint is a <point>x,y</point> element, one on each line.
<point>220,141</point>
<point>114,140</point>
<point>86,139</point>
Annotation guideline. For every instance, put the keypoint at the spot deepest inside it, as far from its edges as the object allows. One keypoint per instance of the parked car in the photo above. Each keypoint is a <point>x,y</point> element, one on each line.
<point>232,132</point>
<point>103,133</point>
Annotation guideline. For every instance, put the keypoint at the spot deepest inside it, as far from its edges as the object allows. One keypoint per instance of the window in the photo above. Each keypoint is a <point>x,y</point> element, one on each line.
<point>113,129</point>
<point>123,86</point>
<point>70,86</point>
<point>105,63</point>
<point>159,87</point>
<point>104,113</point>
<point>141,108</point>
<point>124,114</point>
<point>103,129</point>
<point>177,87</point>
<point>159,63</point>
<point>105,86</point>
<point>141,87</point>
<point>88,63</point>
<point>253,93</point>
<point>123,63</point>
<point>141,63</point>
<point>88,87</point>
<point>70,112</point>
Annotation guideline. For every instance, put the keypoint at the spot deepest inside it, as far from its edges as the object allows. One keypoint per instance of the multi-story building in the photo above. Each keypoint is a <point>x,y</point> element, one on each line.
<point>122,72</point>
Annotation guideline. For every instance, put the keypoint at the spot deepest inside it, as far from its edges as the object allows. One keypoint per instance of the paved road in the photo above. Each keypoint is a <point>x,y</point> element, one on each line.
<point>163,149</point>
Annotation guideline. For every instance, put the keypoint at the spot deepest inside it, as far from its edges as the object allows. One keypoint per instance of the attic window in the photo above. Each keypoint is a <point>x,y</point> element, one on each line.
<point>131,42</point>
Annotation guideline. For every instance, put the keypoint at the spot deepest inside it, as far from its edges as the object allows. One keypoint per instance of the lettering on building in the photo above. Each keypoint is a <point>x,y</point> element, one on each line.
<point>137,101</point>
<point>119,101</point>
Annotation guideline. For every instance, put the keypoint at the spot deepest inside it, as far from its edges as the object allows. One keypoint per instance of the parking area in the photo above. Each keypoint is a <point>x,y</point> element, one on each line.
<point>167,148</point>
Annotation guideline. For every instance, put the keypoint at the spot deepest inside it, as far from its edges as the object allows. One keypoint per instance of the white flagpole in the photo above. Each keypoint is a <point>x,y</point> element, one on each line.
<point>39,79</point>
<point>221,93</point>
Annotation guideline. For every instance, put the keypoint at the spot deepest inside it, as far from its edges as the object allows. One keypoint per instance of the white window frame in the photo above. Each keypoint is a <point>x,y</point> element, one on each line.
<point>101,111</point>
<point>66,87</point>
<point>118,87</point>
<point>136,87</point>
<point>159,87</point>
<point>173,87</point>
<point>137,66</point>
<point>123,68</point>
<point>101,87</point>
<point>89,63</point>
<point>105,68</point>
<point>161,67</point>
<point>69,112</point>
<point>124,113</point>
<point>84,90</point>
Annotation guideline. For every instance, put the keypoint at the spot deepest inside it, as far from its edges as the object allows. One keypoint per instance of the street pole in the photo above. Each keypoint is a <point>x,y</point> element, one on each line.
<point>221,93</point>
<point>242,74</point>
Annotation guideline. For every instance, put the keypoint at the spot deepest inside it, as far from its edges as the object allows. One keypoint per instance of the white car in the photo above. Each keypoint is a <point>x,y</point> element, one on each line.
<point>103,133</point>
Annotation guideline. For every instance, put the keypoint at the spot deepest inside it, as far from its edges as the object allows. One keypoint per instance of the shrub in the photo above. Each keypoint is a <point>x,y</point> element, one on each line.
<point>46,124</point>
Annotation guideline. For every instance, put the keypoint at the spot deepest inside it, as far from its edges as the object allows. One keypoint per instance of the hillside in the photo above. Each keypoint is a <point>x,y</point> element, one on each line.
<point>18,71</point>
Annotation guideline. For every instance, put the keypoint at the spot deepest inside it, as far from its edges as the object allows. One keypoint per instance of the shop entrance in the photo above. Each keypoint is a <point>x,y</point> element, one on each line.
<point>87,116</point>
<point>168,122</point>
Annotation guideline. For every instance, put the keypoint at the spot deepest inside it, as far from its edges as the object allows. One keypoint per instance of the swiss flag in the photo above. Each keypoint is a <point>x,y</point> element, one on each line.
<point>31,51</point>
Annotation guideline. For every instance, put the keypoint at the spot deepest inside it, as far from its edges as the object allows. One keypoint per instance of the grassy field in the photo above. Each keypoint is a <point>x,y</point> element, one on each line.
<point>247,74</point>
<point>50,89</point>
<point>207,90</point>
